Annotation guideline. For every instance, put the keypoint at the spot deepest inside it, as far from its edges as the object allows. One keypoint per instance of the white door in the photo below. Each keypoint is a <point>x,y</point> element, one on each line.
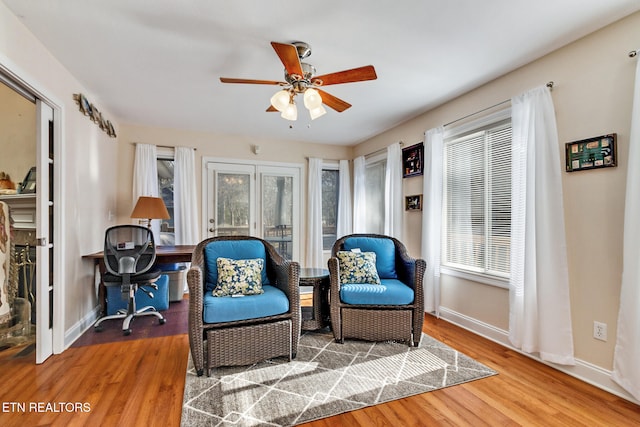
<point>255,200</point>
<point>44,232</point>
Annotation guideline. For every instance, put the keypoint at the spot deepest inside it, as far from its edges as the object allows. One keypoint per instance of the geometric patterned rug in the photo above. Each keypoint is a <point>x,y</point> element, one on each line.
<point>325,379</point>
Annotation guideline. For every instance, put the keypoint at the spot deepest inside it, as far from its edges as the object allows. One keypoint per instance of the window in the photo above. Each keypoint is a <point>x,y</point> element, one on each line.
<point>330,193</point>
<point>477,200</point>
<point>375,170</point>
<point>165,191</point>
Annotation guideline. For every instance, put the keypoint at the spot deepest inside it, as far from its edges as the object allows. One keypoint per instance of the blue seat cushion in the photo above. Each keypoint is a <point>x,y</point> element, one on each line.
<point>160,298</point>
<point>228,309</point>
<point>233,249</point>
<point>385,251</point>
<point>388,292</point>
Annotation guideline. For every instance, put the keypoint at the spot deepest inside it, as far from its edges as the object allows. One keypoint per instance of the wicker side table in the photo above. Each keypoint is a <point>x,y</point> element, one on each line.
<point>317,316</point>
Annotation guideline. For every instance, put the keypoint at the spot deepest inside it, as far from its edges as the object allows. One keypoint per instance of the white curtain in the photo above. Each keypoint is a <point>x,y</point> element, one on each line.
<point>314,223</point>
<point>540,312</point>
<point>432,217</point>
<point>185,201</point>
<point>626,359</point>
<point>359,196</point>
<point>145,179</point>
<point>345,215</point>
<point>393,203</point>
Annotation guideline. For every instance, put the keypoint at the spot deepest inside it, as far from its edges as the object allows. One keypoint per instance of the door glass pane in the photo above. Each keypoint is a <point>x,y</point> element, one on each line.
<point>232,194</point>
<point>277,212</point>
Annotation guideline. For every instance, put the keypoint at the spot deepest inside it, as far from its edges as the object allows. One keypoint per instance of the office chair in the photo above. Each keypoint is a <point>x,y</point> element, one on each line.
<point>129,255</point>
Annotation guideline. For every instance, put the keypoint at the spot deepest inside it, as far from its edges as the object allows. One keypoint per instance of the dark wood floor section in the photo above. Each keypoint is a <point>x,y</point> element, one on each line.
<point>140,383</point>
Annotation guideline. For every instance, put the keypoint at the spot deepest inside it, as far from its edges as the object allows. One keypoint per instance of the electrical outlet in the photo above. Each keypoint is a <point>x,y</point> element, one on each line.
<point>600,331</point>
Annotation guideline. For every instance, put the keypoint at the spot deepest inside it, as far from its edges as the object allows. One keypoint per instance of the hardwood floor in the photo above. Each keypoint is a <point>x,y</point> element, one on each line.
<point>140,383</point>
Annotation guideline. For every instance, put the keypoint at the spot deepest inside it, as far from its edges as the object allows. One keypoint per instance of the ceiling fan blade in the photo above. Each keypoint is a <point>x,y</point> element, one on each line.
<point>249,81</point>
<point>347,76</point>
<point>271,109</point>
<point>288,54</point>
<point>336,103</point>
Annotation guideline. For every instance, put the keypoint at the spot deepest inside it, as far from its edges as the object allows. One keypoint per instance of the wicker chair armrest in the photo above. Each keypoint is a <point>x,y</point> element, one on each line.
<point>195,282</point>
<point>334,278</point>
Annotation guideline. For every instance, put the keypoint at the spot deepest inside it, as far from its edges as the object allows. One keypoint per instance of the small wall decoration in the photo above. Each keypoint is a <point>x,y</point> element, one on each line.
<point>413,203</point>
<point>591,153</point>
<point>92,112</point>
<point>412,160</point>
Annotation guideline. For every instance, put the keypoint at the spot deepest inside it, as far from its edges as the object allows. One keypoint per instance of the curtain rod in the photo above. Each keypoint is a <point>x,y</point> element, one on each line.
<point>164,146</point>
<point>549,85</point>
<point>382,150</point>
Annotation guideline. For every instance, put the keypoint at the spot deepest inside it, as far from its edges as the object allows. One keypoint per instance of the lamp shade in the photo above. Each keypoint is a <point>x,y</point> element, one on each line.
<point>150,208</point>
<point>312,99</point>
<point>317,112</point>
<point>290,113</point>
<point>280,100</point>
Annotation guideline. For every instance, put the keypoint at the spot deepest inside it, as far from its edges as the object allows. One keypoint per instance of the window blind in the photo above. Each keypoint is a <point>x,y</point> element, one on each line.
<point>477,201</point>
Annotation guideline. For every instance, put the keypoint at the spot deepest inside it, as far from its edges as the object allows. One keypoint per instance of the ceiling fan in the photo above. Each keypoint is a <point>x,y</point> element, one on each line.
<point>300,78</point>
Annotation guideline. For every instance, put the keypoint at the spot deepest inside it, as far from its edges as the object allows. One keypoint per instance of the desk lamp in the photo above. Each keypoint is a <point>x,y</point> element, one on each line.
<point>150,208</point>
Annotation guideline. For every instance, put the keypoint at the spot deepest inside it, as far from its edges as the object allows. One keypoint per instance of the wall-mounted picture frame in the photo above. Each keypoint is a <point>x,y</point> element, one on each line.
<point>413,160</point>
<point>413,203</point>
<point>591,153</point>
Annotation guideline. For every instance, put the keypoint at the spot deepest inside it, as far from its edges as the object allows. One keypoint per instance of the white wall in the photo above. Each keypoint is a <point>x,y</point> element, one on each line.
<point>594,80</point>
<point>87,158</point>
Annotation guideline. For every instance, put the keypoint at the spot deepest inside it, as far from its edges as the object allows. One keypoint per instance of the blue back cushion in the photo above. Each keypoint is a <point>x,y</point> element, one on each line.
<point>385,253</point>
<point>234,249</point>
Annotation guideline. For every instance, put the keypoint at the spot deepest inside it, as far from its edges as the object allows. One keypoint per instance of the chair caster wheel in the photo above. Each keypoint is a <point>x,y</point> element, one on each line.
<point>126,332</point>
<point>163,321</point>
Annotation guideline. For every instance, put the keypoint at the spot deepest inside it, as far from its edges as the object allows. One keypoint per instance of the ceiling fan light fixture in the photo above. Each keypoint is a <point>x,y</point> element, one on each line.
<point>317,112</point>
<point>312,99</point>
<point>280,100</point>
<point>290,112</point>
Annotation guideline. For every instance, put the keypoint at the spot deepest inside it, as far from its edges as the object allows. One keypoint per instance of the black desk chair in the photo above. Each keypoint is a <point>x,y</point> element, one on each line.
<point>129,254</point>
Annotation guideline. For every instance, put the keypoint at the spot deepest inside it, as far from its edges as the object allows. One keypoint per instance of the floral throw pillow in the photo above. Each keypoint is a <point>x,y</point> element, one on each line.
<point>239,277</point>
<point>358,267</point>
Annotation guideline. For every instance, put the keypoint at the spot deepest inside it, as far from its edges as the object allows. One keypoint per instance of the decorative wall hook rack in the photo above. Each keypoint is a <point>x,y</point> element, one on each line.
<point>94,114</point>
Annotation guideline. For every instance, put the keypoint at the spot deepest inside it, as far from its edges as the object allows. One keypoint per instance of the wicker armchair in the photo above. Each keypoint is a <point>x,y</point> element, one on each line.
<point>243,341</point>
<point>377,319</point>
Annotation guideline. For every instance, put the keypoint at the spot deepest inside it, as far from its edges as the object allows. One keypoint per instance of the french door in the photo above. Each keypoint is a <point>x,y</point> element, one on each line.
<point>44,231</point>
<point>255,200</point>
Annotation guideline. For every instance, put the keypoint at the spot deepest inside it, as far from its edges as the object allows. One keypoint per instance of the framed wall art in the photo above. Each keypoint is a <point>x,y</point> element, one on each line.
<point>413,203</point>
<point>591,153</point>
<point>412,160</point>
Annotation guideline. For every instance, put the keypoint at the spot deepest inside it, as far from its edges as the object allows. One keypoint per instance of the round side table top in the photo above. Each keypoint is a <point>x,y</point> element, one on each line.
<point>314,273</point>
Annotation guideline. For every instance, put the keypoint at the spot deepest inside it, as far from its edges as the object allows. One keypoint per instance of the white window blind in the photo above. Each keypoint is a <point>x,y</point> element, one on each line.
<point>477,205</point>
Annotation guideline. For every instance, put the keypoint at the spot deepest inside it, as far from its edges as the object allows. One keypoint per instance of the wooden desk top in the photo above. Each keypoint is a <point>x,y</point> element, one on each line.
<point>178,251</point>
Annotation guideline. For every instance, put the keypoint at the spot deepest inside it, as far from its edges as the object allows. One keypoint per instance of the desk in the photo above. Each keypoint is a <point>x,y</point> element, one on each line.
<point>164,255</point>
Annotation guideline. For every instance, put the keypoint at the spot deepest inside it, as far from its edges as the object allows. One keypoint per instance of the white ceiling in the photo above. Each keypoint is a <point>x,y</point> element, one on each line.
<point>158,62</point>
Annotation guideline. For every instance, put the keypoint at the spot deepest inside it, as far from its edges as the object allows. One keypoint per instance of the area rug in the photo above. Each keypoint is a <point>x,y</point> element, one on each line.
<point>325,379</point>
<point>141,327</point>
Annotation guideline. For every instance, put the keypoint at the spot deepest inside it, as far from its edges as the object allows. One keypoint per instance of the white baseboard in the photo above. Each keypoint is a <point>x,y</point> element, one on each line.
<point>73,333</point>
<point>584,371</point>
